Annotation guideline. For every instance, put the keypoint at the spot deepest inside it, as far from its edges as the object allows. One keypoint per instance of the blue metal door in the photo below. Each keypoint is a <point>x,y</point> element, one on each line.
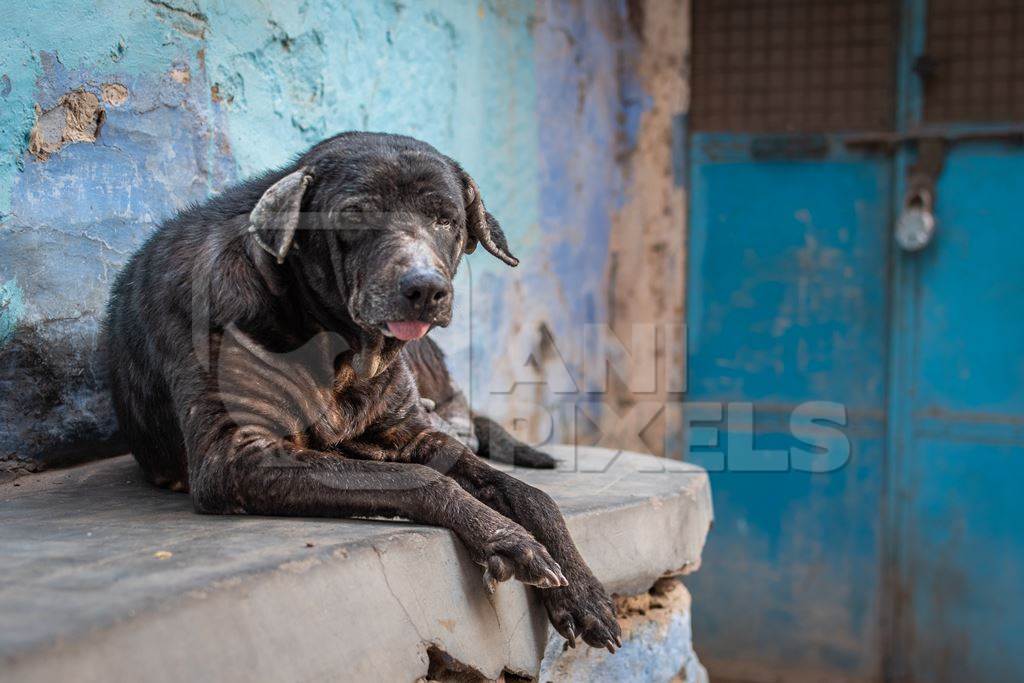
<point>958,428</point>
<point>885,543</point>
<point>786,298</point>
<point>957,371</point>
<point>788,280</point>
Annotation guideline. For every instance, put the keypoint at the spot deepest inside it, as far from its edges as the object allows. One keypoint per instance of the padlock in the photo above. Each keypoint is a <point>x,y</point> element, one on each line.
<point>916,225</point>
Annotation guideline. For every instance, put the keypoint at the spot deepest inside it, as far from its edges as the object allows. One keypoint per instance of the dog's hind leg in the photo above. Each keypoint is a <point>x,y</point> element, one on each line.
<point>444,401</point>
<point>456,415</point>
<point>482,435</point>
<point>500,446</point>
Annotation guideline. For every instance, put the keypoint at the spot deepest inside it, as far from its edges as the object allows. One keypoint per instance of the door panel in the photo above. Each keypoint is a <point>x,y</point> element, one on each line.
<point>961,549</point>
<point>787,292</point>
<point>963,561</point>
<point>971,333</point>
<point>790,265</point>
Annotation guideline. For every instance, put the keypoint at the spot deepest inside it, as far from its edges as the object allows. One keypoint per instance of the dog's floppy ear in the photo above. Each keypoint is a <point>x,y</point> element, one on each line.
<point>482,226</point>
<point>275,218</point>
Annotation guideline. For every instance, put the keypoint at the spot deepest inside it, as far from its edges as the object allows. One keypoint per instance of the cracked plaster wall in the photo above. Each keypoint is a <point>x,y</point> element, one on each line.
<point>545,103</point>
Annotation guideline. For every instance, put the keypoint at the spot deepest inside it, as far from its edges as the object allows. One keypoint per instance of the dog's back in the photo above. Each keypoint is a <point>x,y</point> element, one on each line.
<point>147,332</point>
<point>139,389</point>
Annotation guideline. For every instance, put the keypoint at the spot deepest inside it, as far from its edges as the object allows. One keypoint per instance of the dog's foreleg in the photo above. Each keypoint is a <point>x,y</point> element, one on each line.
<point>250,473</point>
<point>582,608</point>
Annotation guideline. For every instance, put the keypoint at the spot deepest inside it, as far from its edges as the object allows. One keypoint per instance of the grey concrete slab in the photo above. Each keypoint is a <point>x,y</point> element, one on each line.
<point>104,578</point>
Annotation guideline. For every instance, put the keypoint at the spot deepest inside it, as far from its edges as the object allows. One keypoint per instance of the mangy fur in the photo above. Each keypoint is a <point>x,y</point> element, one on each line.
<point>273,388</point>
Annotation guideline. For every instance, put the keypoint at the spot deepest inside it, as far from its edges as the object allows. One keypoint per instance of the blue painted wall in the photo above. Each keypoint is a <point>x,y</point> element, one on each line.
<point>536,100</point>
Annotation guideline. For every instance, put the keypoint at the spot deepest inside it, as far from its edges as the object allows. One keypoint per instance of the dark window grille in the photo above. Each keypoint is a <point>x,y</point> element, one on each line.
<point>793,65</point>
<point>973,68</point>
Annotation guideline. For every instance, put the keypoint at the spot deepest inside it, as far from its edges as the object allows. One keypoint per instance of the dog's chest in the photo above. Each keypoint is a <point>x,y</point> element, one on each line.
<point>313,394</point>
<point>353,406</point>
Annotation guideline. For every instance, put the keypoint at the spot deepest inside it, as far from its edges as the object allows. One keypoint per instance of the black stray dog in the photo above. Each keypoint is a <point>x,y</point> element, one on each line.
<point>266,352</point>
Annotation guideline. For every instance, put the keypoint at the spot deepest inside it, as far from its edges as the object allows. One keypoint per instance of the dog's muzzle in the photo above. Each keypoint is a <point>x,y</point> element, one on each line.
<point>425,292</point>
<point>424,296</point>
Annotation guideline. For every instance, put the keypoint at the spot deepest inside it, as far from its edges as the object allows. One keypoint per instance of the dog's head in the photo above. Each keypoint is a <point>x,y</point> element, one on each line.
<point>376,225</point>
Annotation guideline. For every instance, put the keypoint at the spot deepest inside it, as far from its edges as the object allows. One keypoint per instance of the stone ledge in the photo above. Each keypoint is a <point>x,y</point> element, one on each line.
<point>656,644</point>
<point>105,578</point>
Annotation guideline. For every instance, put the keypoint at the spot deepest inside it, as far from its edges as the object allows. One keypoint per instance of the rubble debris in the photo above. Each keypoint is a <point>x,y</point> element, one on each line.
<point>443,668</point>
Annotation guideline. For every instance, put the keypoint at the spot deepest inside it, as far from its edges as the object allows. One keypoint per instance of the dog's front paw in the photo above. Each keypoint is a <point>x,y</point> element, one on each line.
<point>583,609</point>
<point>513,551</point>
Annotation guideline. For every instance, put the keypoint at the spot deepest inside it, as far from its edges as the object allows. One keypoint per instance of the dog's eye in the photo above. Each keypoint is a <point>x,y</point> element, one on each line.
<point>443,222</point>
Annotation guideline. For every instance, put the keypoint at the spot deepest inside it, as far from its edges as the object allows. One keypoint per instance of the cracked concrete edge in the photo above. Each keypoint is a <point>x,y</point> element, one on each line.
<point>327,614</point>
<point>635,545</point>
<point>332,624</point>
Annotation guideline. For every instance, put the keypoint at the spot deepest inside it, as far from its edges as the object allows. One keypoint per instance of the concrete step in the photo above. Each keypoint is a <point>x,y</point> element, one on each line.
<point>104,578</point>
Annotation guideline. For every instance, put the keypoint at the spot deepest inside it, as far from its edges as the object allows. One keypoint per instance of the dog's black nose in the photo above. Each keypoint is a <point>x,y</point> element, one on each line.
<point>425,288</point>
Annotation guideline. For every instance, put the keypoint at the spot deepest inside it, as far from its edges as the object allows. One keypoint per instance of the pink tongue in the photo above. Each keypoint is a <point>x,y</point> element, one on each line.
<point>408,330</point>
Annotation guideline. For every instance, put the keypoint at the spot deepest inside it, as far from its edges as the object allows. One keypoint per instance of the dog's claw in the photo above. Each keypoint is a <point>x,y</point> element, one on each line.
<point>514,552</point>
<point>555,579</point>
<point>584,610</point>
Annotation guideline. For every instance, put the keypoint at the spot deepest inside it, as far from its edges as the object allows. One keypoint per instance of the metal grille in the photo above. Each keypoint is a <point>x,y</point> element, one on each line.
<point>793,65</point>
<point>973,69</point>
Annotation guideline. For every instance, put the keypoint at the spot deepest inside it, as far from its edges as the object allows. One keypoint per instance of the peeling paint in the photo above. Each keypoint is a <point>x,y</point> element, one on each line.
<point>77,117</point>
<point>114,94</point>
<point>658,605</point>
<point>182,75</point>
<point>188,20</point>
<point>587,107</point>
<point>646,269</point>
<point>69,223</point>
